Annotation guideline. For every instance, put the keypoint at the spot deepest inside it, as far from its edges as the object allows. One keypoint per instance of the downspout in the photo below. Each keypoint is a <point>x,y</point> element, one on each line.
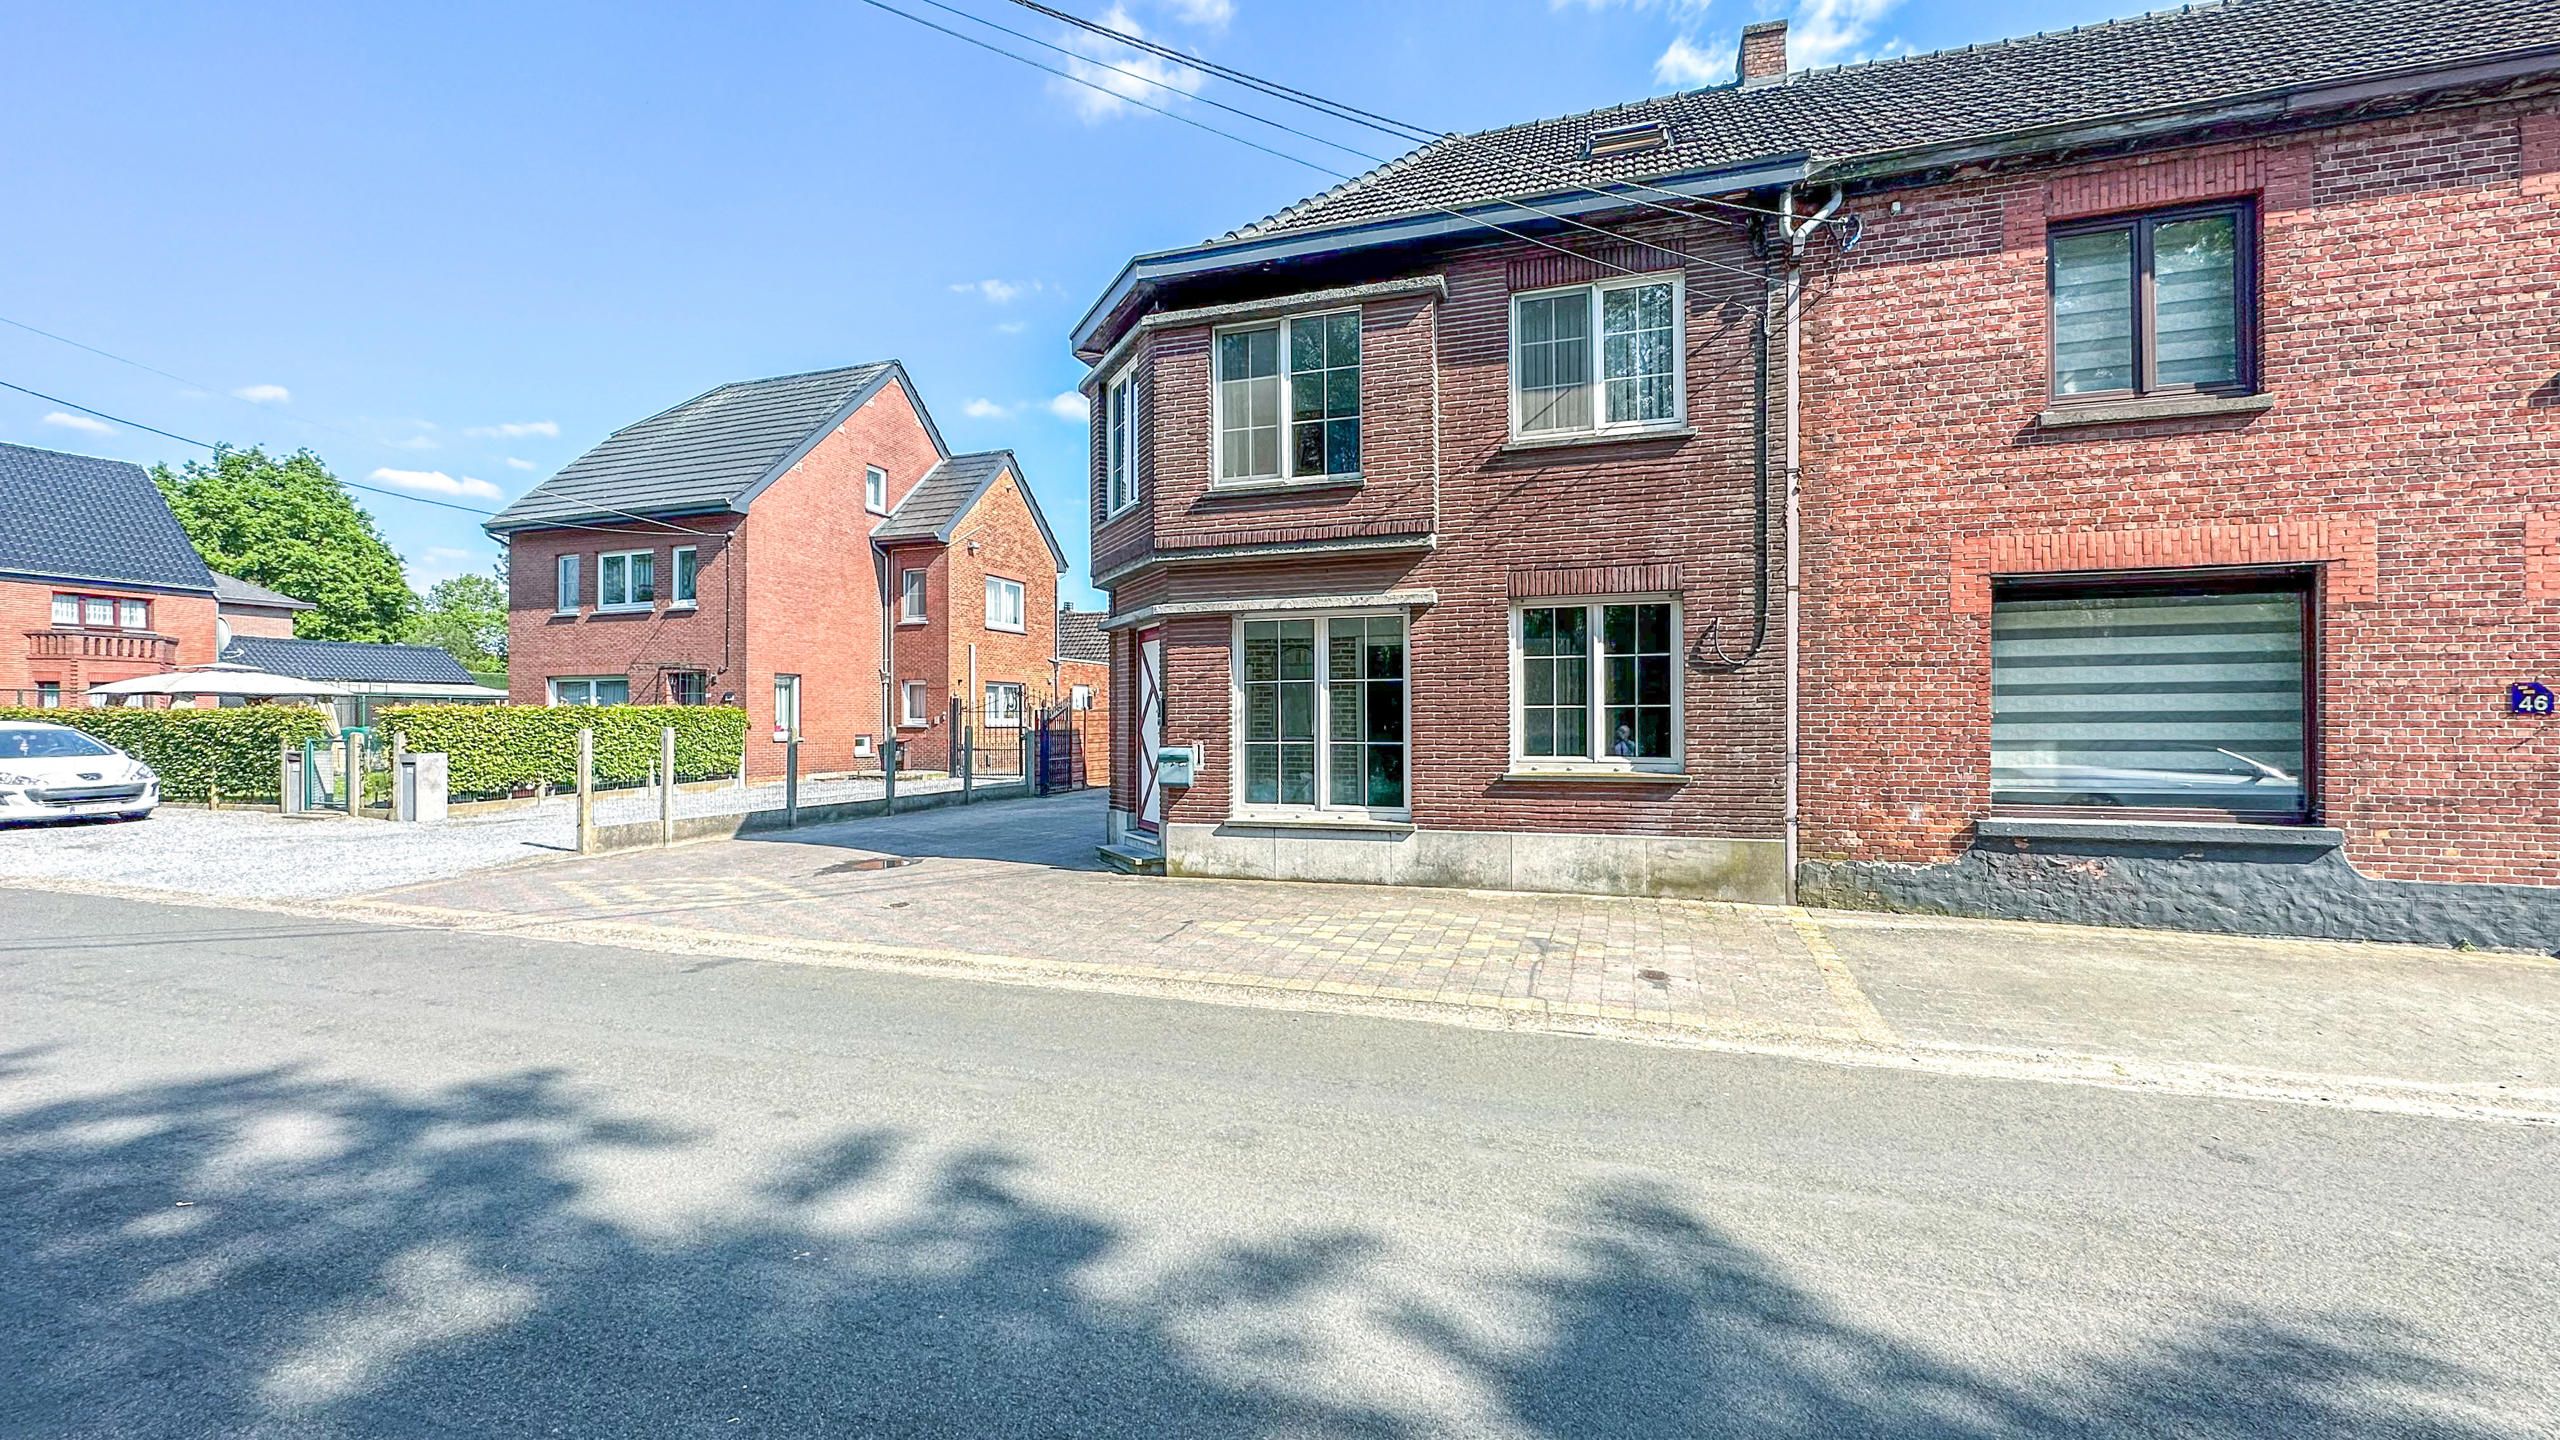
<point>1796,235</point>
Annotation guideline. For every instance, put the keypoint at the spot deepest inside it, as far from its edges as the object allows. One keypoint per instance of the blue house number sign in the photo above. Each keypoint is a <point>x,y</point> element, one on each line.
<point>2528,698</point>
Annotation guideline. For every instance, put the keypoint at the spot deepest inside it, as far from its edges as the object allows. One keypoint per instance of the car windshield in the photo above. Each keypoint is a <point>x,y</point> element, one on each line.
<point>34,744</point>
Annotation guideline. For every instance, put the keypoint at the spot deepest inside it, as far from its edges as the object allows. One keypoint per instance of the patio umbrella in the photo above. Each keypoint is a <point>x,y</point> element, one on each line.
<point>222,681</point>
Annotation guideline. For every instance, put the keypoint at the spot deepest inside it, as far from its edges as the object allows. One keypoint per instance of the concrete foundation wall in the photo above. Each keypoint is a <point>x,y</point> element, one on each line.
<point>1684,867</point>
<point>2264,889</point>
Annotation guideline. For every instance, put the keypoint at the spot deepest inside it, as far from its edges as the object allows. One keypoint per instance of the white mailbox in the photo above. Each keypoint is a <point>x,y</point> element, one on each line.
<point>1175,764</point>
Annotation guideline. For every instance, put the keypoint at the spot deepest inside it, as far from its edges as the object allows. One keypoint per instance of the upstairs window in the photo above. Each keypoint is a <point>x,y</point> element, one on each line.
<point>1288,399</point>
<point>567,595</point>
<point>1120,447</point>
<point>626,580</point>
<point>1598,685</point>
<point>134,614</point>
<point>875,490</point>
<point>97,613</point>
<point>100,612</point>
<point>911,596</point>
<point>1595,359</point>
<point>2162,303</point>
<point>685,569</point>
<point>66,610</point>
<point>1004,604</point>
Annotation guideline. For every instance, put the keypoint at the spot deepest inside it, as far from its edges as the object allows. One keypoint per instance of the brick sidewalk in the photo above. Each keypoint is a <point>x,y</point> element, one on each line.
<point>1012,889</point>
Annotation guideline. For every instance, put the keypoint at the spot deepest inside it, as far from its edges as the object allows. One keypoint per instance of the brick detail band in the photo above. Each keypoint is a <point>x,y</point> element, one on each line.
<point>2540,134</point>
<point>1545,268</point>
<point>1532,584</point>
<point>2343,547</point>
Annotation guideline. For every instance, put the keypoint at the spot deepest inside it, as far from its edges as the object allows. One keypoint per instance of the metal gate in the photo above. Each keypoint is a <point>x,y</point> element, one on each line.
<point>1058,749</point>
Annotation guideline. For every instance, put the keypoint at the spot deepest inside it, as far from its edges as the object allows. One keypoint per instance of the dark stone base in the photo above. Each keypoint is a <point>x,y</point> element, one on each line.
<point>2237,889</point>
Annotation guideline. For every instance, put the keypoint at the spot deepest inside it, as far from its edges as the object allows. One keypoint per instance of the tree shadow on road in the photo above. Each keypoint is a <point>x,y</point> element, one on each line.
<point>274,1253</point>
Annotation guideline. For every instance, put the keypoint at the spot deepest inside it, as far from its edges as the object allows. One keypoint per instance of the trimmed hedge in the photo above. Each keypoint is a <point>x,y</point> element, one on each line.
<point>198,751</point>
<point>498,749</point>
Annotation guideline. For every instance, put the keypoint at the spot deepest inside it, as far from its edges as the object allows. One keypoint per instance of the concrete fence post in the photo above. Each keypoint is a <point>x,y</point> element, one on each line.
<point>667,785</point>
<point>965,739</point>
<point>791,782</point>
<point>354,774</point>
<point>586,791</point>
<point>402,797</point>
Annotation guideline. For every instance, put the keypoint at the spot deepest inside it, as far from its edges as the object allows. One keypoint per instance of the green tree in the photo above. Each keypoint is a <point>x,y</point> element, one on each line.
<point>286,523</point>
<point>467,617</point>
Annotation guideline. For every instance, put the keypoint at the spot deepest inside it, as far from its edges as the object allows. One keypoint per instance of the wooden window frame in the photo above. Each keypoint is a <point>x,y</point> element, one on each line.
<point>2146,360</point>
<point>2303,581</point>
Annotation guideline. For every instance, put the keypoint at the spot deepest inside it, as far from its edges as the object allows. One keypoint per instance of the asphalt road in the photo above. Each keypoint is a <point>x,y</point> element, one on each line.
<point>276,1177</point>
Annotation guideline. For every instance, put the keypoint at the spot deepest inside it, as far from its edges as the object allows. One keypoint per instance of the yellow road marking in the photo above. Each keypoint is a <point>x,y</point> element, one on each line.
<point>1845,990</point>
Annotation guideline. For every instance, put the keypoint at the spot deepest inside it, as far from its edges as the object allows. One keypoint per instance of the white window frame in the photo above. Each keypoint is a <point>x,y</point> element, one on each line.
<point>66,611</point>
<point>911,712</point>
<point>788,718</point>
<point>682,586</point>
<point>1600,422</point>
<point>1120,442</point>
<point>565,595</point>
<point>875,489</point>
<point>994,688</point>
<point>604,597</point>
<point>1596,701</point>
<point>1237,806</point>
<point>1079,697</point>
<point>1289,474</point>
<point>552,688</point>
<point>90,605</point>
<point>133,614</point>
<point>996,585</point>
<point>914,597</point>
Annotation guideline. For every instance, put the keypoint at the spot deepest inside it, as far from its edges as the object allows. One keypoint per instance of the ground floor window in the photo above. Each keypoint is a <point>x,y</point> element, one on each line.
<point>914,698</point>
<point>1597,685</point>
<point>688,687</point>
<point>2171,694</point>
<point>1323,725</point>
<point>1004,705</point>
<point>48,694</point>
<point>590,690</point>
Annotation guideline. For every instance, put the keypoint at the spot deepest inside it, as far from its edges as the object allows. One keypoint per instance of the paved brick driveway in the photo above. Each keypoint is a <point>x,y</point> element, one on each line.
<point>1013,889</point>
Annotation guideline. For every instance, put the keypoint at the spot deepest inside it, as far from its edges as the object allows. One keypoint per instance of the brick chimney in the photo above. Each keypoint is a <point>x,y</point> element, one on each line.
<point>1764,53</point>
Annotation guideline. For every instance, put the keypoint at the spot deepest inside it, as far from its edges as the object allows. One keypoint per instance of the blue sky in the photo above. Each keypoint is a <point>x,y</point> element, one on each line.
<point>451,246</point>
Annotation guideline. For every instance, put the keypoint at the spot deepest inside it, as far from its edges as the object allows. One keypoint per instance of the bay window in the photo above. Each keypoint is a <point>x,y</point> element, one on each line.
<point>1288,399</point>
<point>1596,359</point>
<point>626,580</point>
<point>1120,443</point>
<point>2171,694</point>
<point>1598,685</point>
<point>1323,717</point>
<point>2160,303</point>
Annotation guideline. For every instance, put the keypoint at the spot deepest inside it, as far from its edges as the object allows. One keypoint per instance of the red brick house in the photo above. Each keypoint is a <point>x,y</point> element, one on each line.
<point>1083,667</point>
<point>750,546</point>
<point>1447,513</point>
<point>97,581</point>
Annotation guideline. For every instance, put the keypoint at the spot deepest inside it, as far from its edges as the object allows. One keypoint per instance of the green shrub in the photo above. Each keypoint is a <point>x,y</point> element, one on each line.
<point>199,751</point>
<point>498,749</point>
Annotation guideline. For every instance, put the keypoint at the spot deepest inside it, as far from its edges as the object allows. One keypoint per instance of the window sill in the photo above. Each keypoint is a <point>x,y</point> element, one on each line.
<point>2159,832</point>
<point>1598,437</point>
<point>1311,821</point>
<point>1240,489</point>
<point>624,609</point>
<point>2067,415</point>
<point>1007,630</point>
<point>913,624</point>
<point>1570,776</point>
<point>676,606</point>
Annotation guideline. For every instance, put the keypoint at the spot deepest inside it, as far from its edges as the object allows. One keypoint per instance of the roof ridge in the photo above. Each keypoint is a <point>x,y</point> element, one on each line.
<point>2166,12</point>
<point>74,454</point>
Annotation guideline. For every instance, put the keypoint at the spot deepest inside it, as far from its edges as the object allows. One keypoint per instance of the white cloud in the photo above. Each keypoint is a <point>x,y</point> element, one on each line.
<point>516,430</point>
<point>1137,76</point>
<point>1832,32</point>
<point>413,442</point>
<point>1208,14</point>
<point>1685,66</point>
<point>436,482</point>
<point>997,292</point>
<point>985,409</point>
<point>86,425</point>
<point>1012,327</point>
<point>263,394</point>
<point>515,464</point>
<point>1070,406</point>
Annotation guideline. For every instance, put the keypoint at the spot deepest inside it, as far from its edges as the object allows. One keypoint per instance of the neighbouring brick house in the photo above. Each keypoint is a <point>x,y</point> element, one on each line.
<point>1490,544</point>
<point>97,581</point>
<point>747,547</point>
<point>1083,681</point>
<point>253,612</point>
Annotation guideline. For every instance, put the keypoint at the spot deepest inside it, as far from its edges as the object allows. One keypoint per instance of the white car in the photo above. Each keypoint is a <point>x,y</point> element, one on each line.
<point>53,772</point>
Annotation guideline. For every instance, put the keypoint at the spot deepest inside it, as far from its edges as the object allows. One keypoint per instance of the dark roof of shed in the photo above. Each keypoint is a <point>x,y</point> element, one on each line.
<point>2222,50</point>
<point>348,660</point>
<point>1080,637</point>
<point>232,590</point>
<point>714,452</point>
<point>934,508</point>
<point>77,517</point>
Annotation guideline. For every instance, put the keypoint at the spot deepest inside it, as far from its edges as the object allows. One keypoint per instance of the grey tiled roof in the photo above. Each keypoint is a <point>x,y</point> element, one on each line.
<point>76,517</point>
<point>713,452</point>
<point>935,507</point>
<point>232,590</point>
<point>1080,637</point>
<point>348,660</point>
<point>2119,69</point>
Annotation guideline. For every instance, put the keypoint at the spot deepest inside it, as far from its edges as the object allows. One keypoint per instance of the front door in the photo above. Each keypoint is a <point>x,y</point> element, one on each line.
<point>1149,730</point>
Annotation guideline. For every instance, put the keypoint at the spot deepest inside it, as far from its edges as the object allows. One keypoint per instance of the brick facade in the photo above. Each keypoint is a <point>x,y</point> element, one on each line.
<point>955,652</point>
<point>2408,457</point>
<point>34,653</point>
